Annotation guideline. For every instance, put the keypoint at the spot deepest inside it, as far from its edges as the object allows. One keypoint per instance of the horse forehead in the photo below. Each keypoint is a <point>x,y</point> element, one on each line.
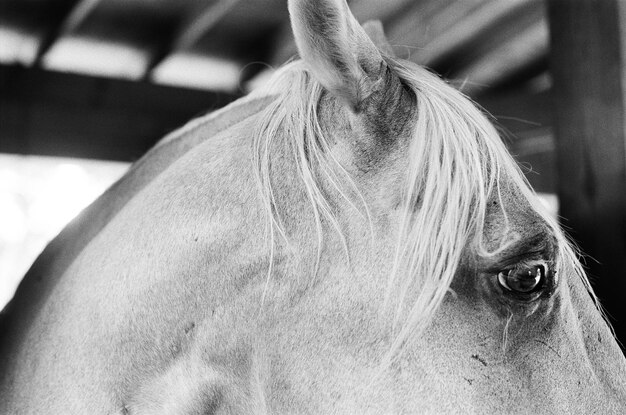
<point>509,210</point>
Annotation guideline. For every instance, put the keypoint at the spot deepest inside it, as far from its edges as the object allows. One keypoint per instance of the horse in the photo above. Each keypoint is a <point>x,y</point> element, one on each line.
<point>352,238</point>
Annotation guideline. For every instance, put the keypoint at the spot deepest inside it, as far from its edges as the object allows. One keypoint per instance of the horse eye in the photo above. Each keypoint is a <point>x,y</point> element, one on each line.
<point>523,280</point>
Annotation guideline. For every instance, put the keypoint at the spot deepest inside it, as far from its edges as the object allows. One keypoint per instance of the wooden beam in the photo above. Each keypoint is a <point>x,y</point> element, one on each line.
<point>365,10</point>
<point>69,24</point>
<point>588,54</point>
<point>530,45</point>
<point>433,29</point>
<point>511,41</point>
<point>469,26</point>
<point>191,30</point>
<point>49,113</point>
<point>202,22</point>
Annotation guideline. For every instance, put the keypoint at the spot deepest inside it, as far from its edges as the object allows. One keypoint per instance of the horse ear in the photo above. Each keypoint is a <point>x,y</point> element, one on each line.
<point>375,31</point>
<point>336,48</point>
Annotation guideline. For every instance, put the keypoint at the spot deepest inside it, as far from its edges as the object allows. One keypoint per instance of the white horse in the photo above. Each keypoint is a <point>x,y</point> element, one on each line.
<point>353,239</point>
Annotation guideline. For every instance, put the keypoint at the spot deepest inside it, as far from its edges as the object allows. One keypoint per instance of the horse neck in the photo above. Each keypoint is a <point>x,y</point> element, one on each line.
<point>60,253</point>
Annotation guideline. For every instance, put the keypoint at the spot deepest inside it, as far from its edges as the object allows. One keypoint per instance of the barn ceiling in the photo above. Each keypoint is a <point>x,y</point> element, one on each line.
<point>481,43</point>
<point>60,58</point>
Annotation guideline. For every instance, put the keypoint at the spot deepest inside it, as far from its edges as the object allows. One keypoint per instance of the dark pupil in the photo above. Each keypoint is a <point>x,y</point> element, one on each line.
<point>526,279</point>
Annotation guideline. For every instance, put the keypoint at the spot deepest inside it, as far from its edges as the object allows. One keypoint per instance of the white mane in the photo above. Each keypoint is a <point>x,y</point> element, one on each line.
<point>456,163</point>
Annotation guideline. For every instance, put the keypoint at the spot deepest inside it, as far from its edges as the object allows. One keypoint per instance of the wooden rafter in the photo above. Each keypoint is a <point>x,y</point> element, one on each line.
<point>471,23</point>
<point>412,31</point>
<point>69,24</point>
<point>529,46</point>
<point>192,30</point>
<point>365,10</point>
<point>61,114</point>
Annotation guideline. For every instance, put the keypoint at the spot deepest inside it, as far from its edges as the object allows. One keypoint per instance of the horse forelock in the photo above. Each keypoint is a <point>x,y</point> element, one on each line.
<point>457,162</point>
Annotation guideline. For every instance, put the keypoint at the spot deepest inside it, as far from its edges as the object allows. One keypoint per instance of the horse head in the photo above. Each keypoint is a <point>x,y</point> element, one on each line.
<point>489,306</point>
<point>354,239</point>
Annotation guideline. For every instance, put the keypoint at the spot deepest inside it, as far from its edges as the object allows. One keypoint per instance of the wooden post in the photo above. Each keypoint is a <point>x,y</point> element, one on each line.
<point>588,63</point>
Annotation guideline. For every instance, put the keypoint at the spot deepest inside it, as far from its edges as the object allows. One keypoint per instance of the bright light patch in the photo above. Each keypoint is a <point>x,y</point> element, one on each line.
<point>259,80</point>
<point>97,58</point>
<point>38,196</point>
<point>17,46</point>
<point>196,71</point>
<point>551,202</point>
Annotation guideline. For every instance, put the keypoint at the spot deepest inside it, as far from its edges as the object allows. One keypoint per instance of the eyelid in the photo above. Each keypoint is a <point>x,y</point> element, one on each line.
<point>525,259</point>
<point>539,247</point>
<point>498,264</point>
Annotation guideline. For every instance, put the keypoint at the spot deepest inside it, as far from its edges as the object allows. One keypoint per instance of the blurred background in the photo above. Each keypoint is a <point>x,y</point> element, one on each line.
<point>87,86</point>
